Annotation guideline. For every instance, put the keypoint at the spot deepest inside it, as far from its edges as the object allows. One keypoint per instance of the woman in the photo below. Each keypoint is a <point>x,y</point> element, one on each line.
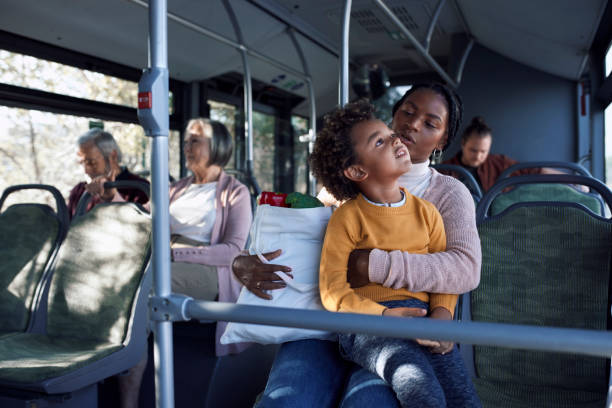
<point>474,156</point>
<point>210,216</point>
<point>311,372</point>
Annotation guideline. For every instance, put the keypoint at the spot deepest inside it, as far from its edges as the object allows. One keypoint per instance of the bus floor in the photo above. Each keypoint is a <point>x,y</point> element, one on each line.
<point>200,378</point>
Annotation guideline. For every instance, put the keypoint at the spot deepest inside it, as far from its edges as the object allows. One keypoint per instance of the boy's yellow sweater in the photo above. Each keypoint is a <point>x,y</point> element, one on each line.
<point>414,227</point>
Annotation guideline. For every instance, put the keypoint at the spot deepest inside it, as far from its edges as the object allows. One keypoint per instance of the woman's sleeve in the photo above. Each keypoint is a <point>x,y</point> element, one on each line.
<point>455,271</point>
<point>239,218</point>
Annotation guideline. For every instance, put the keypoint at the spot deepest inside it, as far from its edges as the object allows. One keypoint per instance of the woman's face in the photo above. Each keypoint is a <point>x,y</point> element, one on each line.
<point>422,122</point>
<point>197,146</point>
<point>475,150</point>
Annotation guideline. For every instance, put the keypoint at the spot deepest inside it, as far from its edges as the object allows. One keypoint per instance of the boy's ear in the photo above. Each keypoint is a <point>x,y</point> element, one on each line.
<point>355,173</point>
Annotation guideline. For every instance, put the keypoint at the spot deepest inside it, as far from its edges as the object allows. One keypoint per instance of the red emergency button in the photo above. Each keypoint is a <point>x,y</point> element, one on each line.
<point>145,101</point>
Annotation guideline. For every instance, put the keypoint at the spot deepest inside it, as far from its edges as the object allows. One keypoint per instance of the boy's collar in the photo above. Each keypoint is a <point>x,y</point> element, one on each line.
<point>396,204</point>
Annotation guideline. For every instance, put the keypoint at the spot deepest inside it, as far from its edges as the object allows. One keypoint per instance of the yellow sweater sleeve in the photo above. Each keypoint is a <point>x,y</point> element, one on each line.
<point>437,243</point>
<point>336,294</point>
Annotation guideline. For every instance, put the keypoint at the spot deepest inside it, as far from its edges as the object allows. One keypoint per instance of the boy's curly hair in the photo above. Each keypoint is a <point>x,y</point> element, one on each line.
<point>333,150</point>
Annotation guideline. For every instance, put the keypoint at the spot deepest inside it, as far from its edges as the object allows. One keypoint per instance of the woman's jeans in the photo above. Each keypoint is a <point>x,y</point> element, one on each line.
<point>306,373</point>
<point>312,373</point>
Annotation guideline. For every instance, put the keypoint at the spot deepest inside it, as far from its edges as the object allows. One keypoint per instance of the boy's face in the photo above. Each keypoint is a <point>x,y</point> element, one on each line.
<point>380,154</point>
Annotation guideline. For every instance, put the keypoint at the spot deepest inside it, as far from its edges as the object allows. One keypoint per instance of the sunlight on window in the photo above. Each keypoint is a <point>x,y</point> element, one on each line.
<point>40,147</point>
<point>264,150</point>
<point>300,153</point>
<point>34,73</point>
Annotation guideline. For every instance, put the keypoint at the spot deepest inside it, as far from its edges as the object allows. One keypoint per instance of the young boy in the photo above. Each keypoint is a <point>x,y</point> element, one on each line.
<point>359,159</point>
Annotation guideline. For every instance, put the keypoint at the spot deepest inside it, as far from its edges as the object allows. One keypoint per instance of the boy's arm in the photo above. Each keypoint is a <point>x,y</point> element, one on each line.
<point>336,293</point>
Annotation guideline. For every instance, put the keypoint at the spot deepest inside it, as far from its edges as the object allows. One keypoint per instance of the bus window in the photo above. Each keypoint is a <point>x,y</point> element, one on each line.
<point>35,73</point>
<point>263,150</point>
<point>226,114</point>
<point>300,153</point>
<point>40,147</point>
<point>385,103</point>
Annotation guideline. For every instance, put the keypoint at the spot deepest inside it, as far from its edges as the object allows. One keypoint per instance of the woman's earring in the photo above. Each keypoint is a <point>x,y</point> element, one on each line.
<point>436,156</point>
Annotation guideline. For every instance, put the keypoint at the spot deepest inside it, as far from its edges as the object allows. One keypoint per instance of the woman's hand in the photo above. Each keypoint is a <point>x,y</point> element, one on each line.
<point>438,346</point>
<point>358,263</point>
<point>258,276</point>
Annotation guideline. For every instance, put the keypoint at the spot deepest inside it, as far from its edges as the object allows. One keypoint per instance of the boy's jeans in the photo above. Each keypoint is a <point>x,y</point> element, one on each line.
<point>418,377</point>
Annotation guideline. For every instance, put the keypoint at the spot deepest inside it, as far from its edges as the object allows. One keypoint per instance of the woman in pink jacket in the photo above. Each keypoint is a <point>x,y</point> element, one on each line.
<point>210,217</point>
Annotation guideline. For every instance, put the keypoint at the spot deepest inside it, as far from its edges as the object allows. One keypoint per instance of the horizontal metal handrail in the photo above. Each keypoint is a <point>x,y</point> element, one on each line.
<point>565,340</point>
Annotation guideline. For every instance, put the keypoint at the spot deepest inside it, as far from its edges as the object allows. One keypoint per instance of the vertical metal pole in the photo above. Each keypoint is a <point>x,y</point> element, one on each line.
<point>344,58</point>
<point>312,135</point>
<point>463,60</point>
<point>432,24</point>
<point>312,131</point>
<point>248,95</point>
<point>164,370</point>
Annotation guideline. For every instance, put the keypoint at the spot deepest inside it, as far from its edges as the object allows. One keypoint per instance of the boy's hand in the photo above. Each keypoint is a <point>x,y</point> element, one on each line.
<point>438,346</point>
<point>405,312</point>
<point>413,312</point>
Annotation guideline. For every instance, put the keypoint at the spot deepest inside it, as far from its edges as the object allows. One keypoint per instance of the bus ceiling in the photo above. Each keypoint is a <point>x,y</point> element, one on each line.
<point>553,36</point>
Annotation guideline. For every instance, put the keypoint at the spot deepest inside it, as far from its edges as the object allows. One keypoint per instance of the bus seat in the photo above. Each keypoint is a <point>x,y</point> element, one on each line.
<point>546,192</point>
<point>249,181</point>
<point>463,175</point>
<point>572,168</point>
<point>30,236</point>
<point>97,308</point>
<point>543,264</point>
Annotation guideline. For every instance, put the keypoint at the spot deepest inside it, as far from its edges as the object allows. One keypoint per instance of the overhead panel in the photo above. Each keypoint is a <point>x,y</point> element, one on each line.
<point>553,36</point>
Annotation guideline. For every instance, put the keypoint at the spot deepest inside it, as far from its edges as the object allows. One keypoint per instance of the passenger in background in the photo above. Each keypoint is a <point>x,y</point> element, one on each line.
<point>474,156</point>
<point>210,217</point>
<point>101,158</point>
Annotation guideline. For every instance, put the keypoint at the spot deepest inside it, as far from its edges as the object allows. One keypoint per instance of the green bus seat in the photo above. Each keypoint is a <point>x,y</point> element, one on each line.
<point>543,264</point>
<point>463,175</point>
<point>546,192</point>
<point>97,307</point>
<point>30,236</point>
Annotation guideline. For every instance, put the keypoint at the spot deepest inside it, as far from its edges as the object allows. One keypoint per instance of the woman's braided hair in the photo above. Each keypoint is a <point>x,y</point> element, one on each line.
<point>453,103</point>
<point>333,150</point>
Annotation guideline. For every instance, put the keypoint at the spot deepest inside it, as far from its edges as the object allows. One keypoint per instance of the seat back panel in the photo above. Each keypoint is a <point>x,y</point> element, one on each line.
<point>99,268</point>
<point>544,266</point>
